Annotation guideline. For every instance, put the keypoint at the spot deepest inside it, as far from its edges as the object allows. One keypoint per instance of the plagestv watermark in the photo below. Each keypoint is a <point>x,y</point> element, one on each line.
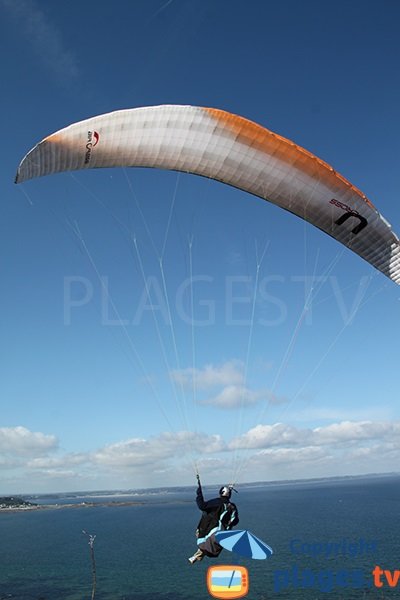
<point>202,300</point>
<point>326,580</point>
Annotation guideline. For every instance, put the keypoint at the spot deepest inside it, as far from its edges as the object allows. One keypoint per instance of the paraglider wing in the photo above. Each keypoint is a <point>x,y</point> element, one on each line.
<point>244,543</point>
<point>230,149</point>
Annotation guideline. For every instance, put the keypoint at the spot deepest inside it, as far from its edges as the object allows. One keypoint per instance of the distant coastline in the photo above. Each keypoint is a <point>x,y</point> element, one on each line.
<point>15,503</point>
<point>140,496</point>
<point>18,504</point>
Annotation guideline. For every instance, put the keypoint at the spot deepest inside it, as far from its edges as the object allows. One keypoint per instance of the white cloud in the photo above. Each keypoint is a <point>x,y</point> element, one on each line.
<point>230,378</point>
<point>139,452</point>
<point>20,441</point>
<point>130,453</point>
<point>8,463</point>
<point>233,396</point>
<point>229,373</point>
<point>350,431</point>
<point>264,436</point>
<point>59,474</point>
<point>45,38</point>
<point>289,456</point>
<point>57,462</point>
<point>274,451</point>
<point>278,451</point>
<point>346,432</point>
<point>275,400</point>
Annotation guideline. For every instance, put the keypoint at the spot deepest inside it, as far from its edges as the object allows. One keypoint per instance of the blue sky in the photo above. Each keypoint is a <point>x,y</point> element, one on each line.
<point>93,393</point>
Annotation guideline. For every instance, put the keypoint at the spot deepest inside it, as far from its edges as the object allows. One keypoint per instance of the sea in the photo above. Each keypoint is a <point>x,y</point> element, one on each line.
<point>335,538</point>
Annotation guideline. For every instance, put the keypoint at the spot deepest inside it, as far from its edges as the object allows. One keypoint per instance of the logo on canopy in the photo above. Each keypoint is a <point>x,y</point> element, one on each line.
<point>92,140</point>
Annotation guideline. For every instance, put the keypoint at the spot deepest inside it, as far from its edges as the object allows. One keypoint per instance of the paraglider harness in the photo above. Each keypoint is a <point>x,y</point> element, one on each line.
<point>218,520</point>
<point>222,518</point>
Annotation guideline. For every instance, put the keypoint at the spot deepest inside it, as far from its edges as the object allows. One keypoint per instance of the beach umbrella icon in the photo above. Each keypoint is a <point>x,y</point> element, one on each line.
<point>244,543</point>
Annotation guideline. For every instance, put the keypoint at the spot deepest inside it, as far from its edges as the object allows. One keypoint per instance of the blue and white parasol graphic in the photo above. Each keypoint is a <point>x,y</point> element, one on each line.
<point>244,543</point>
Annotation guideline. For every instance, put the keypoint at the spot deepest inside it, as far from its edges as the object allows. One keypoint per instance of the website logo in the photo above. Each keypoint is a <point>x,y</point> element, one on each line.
<point>326,579</point>
<point>227,581</point>
<point>392,578</point>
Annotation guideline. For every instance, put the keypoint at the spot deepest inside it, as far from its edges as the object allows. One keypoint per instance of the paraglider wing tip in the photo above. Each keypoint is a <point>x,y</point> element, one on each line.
<point>20,174</point>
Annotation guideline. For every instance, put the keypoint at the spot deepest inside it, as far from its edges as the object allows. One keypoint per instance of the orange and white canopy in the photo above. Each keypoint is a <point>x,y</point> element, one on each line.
<point>217,144</point>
